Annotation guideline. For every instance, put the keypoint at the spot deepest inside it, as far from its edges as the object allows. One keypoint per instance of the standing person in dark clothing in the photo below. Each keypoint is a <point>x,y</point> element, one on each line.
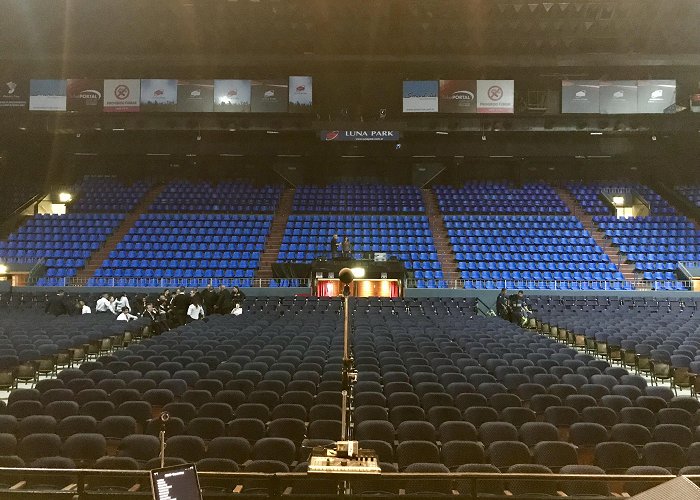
<point>209,298</point>
<point>503,305</point>
<point>56,304</point>
<point>179,304</point>
<point>237,297</point>
<point>334,246</point>
<point>347,248</point>
<point>224,303</point>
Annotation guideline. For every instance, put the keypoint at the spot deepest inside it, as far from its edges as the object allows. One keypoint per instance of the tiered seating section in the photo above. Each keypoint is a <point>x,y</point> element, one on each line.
<point>407,237</point>
<point>234,197</point>
<point>358,198</point>
<point>502,234</point>
<point>526,251</point>
<point>655,244</point>
<point>588,196</point>
<point>436,386</point>
<point>108,194</point>
<point>488,197</point>
<point>187,249</point>
<point>691,192</point>
<point>65,241</point>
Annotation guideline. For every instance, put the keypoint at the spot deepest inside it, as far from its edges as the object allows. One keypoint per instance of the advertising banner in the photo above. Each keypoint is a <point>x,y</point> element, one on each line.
<point>495,96</point>
<point>47,95</point>
<point>654,96</point>
<point>195,96</point>
<point>457,96</point>
<point>232,96</point>
<point>122,96</point>
<point>158,95</point>
<point>269,96</point>
<point>300,94</point>
<point>618,97</point>
<point>84,95</point>
<point>580,96</point>
<point>360,135</point>
<point>420,96</point>
<point>13,93</point>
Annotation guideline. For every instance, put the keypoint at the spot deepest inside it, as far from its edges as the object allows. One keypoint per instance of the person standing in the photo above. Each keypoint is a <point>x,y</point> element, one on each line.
<point>56,304</point>
<point>209,298</point>
<point>347,248</point>
<point>502,305</point>
<point>195,310</point>
<point>179,305</point>
<point>122,302</point>
<point>334,246</point>
<point>104,305</point>
<point>224,303</point>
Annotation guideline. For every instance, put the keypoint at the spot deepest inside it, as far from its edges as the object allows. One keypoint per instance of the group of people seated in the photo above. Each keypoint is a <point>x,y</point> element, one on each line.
<point>166,310</point>
<point>338,249</point>
<point>513,308</point>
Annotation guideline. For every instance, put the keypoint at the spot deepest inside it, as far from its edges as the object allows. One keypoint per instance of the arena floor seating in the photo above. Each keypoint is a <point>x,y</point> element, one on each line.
<point>437,385</point>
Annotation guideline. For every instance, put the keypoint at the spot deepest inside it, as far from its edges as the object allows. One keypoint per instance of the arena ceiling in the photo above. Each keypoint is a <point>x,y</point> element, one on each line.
<point>257,32</point>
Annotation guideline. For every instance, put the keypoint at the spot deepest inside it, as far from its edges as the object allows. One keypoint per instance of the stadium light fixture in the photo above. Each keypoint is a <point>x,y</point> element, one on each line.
<point>441,132</point>
<point>65,197</point>
<point>618,200</point>
<point>358,272</point>
<point>3,269</point>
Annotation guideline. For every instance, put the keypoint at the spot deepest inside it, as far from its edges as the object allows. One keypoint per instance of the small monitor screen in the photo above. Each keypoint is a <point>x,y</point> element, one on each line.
<point>175,483</point>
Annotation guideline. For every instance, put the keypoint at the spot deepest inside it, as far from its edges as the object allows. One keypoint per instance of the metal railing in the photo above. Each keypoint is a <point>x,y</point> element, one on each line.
<point>91,483</point>
<point>585,285</point>
<point>184,282</point>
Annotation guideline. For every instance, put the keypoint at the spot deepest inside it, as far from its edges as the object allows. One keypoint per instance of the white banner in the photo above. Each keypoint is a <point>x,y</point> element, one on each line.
<point>495,96</point>
<point>420,96</point>
<point>300,93</point>
<point>47,95</point>
<point>122,96</point>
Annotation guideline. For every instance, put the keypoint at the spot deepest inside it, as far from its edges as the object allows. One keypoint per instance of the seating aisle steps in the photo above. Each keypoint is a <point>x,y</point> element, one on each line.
<point>442,243</point>
<point>274,240</point>
<point>616,257</point>
<point>100,255</point>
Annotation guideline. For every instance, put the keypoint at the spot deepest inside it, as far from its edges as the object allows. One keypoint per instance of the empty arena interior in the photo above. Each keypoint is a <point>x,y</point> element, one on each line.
<point>461,146</point>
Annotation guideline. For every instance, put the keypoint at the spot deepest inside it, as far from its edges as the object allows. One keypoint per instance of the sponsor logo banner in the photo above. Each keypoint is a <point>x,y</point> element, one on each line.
<point>195,96</point>
<point>420,96</point>
<point>580,96</point>
<point>47,95</point>
<point>122,96</point>
<point>300,94</point>
<point>495,96</point>
<point>269,96</point>
<point>654,96</point>
<point>232,96</point>
<point>618,97</point>
<point>360,135</point>
<point>457,96</point>
<point>13,93</point>
<point>158,95</point>
<point>84,95</point>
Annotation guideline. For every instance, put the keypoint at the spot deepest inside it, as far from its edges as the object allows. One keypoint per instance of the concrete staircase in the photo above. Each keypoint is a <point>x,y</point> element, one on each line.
<point>443,246</point>
<point>274,240</point>
<point>616,257</point>
<point>100,255</point>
